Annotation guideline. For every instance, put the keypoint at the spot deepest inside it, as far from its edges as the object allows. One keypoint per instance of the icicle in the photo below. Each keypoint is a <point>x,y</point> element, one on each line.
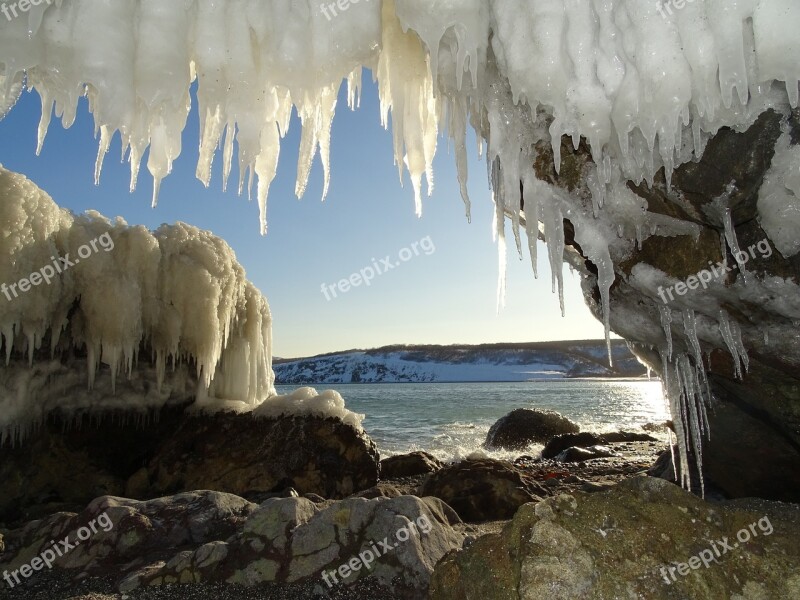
<point>458,129</point>
<point>733,243</point>
<point>530,188</point>
<point>734,344</point>
<point>554,236</point>
<point>666,319</point>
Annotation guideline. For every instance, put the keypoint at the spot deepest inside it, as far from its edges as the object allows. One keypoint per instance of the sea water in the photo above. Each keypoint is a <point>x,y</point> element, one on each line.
<point>450,420</point>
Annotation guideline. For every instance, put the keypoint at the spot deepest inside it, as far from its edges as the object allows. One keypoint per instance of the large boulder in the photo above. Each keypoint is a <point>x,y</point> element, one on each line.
<point>644,538</point>
<point>524,426</point>
<point>177,452</point>
<point>483,489</point>
<point>310,454</point>
<point>205,538</point>
<point>409,465</point>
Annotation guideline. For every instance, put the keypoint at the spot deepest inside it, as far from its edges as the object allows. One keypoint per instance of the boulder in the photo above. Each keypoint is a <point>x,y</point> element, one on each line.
<point>644,538</point>
<point>483,489</point>
<point>409,465</point>
<point>175,452</point>
<point>569,440</point>
<point>212,538</point>
<point>524,426</point>
<point>581,454</point>
<point>310,454</point>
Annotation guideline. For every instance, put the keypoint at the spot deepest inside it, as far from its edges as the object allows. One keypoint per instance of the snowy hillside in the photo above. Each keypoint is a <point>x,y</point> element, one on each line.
<point>495,362</point>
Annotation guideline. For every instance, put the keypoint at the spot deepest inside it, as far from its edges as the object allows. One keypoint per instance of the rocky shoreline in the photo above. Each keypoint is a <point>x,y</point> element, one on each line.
<point>296,503</point>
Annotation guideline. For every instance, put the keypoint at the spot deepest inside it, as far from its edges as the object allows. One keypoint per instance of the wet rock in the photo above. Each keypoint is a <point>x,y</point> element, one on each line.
<point>621,542</point>
<point>409,465</point>
<point>627,436</point>
<point>659,427</point>
<point>569,440</point>
<point>524,426</point>
<point>581,454</point>
<point>483,489</point>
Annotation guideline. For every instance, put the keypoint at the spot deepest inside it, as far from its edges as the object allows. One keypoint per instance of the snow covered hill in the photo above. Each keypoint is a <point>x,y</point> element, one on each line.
<point>488,362</point>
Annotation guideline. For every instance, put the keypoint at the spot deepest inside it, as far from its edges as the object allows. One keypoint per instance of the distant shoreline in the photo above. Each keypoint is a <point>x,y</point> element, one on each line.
<point>554,380</point>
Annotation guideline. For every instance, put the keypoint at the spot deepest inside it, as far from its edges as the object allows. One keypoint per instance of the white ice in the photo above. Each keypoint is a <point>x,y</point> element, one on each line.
<point>645,88</point>
<point>178,293</point>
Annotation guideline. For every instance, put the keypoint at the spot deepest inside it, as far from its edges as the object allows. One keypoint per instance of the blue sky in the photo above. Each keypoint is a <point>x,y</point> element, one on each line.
<point>445,297</point>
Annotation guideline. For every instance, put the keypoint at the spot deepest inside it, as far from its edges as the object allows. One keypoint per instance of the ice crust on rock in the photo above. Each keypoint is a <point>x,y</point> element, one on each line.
<point>177,293</point>
<point>306,401</point>
<point>643,87</point>
<point>779,198</point>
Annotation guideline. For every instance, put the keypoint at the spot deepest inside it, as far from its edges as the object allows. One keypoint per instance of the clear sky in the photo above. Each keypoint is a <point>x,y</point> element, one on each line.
<point>442,297</point>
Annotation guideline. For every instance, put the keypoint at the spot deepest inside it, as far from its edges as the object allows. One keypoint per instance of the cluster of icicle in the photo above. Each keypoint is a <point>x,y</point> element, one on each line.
<point>177,292</point>
<point>646,85</point>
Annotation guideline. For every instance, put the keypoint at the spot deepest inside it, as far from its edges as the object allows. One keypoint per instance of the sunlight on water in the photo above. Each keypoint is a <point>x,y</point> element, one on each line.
<point>450,420</point>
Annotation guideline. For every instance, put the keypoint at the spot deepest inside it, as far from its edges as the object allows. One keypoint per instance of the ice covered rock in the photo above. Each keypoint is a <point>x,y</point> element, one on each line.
<point>98,314</point>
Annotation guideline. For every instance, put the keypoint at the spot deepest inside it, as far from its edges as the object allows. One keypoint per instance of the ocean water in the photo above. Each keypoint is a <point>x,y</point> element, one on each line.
<point>450,420</point>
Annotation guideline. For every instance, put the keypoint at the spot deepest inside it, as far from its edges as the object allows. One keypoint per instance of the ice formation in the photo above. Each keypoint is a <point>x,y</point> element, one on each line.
<point>177,293</point>
<point>307,401</point>
<point>643,87</point>
<point>779,199</point>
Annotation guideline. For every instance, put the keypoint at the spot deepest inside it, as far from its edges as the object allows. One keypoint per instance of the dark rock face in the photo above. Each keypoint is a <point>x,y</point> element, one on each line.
<point>763,407</point>
<point>621,543</point>
<point>524,426</point>
<point>60,468</point>
<point>569,440</point>
<point>409,465</point>
<point>483,489</point>
<point>312,455</point>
